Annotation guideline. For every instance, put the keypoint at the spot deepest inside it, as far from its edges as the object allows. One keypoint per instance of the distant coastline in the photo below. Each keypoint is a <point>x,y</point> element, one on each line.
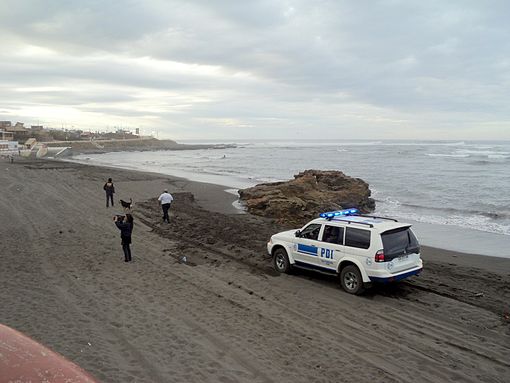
<point>129,145</point>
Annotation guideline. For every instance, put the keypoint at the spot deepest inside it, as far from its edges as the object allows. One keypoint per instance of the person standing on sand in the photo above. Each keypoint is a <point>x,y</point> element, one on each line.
<point>166,199</point>
<point>126,228</point>
<point>109,189</point>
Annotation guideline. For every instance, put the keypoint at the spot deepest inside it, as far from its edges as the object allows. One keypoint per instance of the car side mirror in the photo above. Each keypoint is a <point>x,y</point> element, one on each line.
<point>298,233</point>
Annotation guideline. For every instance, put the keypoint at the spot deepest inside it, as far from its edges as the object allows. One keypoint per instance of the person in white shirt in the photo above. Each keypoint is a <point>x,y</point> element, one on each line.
<point>165,199</point>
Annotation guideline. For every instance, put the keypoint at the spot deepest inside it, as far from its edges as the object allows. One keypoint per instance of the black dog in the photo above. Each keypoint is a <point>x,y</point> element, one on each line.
<point>127,205</point>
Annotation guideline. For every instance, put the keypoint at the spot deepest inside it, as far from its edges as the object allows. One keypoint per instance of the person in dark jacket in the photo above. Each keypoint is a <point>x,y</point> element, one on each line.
<point>109,189</point>
<point>126,228</point>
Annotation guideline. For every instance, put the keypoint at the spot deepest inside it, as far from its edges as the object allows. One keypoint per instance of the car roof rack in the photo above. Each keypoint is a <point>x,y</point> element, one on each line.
<point>351,221</point>
<point>377,217</point>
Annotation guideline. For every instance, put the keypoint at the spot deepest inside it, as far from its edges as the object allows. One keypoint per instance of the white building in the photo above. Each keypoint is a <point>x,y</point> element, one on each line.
<point>8,147</point>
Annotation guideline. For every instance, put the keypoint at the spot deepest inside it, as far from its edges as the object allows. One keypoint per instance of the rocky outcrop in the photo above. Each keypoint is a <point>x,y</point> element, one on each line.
<point>308,194</point>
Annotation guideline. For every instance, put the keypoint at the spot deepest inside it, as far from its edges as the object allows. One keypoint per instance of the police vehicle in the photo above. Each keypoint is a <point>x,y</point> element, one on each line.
<point>361,249</point>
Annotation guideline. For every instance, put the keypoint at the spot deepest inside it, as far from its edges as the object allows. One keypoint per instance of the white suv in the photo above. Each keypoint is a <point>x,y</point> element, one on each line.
<point>360,248</point>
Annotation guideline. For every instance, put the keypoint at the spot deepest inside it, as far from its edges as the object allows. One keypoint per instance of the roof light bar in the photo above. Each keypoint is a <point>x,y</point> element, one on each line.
<point>339,213</point>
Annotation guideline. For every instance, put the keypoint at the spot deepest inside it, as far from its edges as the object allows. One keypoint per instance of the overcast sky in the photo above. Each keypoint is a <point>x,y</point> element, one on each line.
<point>227,69</point>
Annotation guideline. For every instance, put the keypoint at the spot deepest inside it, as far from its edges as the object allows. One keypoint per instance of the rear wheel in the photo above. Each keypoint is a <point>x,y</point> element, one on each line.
<point>281,261</point>
<point>351,280</point>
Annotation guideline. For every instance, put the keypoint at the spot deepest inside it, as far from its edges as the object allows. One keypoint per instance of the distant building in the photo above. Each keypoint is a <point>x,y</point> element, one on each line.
<point>30,143</point>
<point>8,146</point>
<point>36,128</point>
<point>86,135</point>
<point>19,132</point>
<point>73,134</point>
<point>5,124</point>
<point>6,136</point>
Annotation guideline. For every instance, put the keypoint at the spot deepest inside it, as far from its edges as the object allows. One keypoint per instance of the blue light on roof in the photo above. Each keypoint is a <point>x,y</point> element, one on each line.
<point>339,213</point>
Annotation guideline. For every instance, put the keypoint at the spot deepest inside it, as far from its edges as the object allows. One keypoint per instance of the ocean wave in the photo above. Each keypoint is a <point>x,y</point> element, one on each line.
<point>453,155</point>
<point>459,143</point>
<point>490,154</point>
<point>479,223</point>
<point>355,143</point>
<point>302,144</point>
<point>482,152</point>
<point>315,143</point>
<point>475,222</point>
<point>490,221</point>
<point>423,143</point>
<point>499,156</point>
<point>395,204</point>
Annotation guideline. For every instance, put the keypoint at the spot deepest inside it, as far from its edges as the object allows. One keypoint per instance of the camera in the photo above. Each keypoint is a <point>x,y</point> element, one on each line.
<point>120,217</point>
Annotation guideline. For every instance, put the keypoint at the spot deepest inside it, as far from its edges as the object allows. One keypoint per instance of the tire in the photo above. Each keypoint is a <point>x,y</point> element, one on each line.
<point>351,280</point>
<point>281,261</point>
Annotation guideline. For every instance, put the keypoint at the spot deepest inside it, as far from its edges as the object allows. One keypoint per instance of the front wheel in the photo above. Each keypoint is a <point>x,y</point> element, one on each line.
<point>281,261</point>
<point>351,280</point>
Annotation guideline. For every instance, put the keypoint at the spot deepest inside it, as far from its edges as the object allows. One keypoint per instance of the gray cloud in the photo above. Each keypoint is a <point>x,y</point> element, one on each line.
<point>350,69</point>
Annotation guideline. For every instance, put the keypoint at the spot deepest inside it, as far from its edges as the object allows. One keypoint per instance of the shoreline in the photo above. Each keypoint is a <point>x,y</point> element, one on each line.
<point>447,237</point>
<point>221,199</point>
<point>218,317</point>
<point>200,189</point>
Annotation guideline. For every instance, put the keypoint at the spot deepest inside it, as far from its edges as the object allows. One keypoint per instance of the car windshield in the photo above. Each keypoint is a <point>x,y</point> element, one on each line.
<point>400,241</point>
<point>311,231</point>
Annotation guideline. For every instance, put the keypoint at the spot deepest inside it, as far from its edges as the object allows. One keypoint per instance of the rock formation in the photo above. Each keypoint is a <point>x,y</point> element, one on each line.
<point>308,194</point>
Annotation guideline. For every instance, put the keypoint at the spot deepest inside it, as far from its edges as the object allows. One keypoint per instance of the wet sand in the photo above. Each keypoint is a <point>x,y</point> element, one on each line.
<point>225,316</point>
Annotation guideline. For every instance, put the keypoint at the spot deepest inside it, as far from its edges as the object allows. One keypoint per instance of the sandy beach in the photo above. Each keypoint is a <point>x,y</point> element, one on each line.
<point>225,316</point>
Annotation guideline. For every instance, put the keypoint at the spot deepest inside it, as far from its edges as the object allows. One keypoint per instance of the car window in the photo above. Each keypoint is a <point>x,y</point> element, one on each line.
<point>357,238</point>
<point>400,241</point>
<point>311,231</point>
<point>333,234</point>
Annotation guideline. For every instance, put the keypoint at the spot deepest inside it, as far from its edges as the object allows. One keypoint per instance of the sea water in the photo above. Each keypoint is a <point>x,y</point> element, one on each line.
<point>456,193</point>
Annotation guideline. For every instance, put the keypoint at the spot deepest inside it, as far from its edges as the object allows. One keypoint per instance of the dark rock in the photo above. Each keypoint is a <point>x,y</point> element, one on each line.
<point>308,194</point>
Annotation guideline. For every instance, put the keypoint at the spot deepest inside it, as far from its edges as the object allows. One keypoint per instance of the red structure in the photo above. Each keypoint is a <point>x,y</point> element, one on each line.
<point>24,360</point>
